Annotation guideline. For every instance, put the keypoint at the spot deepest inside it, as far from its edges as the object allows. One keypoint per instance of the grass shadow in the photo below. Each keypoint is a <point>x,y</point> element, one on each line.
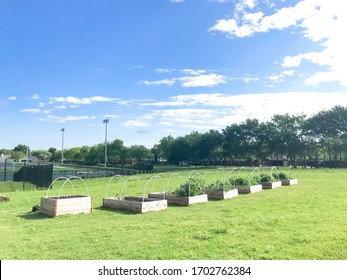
<point>120,211</point>
<point>33,216</point>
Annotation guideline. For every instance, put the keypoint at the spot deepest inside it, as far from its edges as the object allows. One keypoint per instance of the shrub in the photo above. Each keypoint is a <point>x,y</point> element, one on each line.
<point>191,187</point>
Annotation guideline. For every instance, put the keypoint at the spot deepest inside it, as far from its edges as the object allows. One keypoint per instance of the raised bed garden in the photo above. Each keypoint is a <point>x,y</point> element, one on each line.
<point>180,200</point>
<point>54,206</point>
<point>246,185</point>
<point>135,204</point>
<point>271,185</point>
<point>220,190</point>
<point>67,204</point>
<point>188,193</point>
<point>286,178</point>
<point>222,194</point>
<point>289,182</point>
<point>248,189</point>
<point>270,181</point>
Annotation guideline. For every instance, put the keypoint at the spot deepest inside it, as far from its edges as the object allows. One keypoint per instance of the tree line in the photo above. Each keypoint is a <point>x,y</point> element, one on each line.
<point>319,138</point>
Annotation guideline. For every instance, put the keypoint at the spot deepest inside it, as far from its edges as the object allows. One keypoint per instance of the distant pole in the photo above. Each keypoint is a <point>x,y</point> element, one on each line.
<point>62,145</point>
<point>106,121</point>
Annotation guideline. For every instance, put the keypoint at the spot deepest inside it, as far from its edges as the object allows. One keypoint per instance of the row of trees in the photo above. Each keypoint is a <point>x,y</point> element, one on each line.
<point>320,137</point>
<point>295,137</point>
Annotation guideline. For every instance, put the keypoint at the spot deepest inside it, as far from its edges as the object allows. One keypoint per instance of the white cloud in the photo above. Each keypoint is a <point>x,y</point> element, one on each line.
<point>135,123</point>
<point>249,79</point>
<point>60,107</point>
<point>276,78</point>
<point>63,119</point>
<point>219,110</point>
<point>193,71</point>
<point>12,98</point>
<point>219,1</point>
<point>135,67</point>
<point>291,61</point>
<point>176,1</point>
<point>35,97</point>
<point>207,80</point>
<point>111,116</point>
<point>164,70</point>
<point>167,82</point>
<point>243,5</point>
<point>32,111</point>
<point>323,22</point>
<point>81,101</point>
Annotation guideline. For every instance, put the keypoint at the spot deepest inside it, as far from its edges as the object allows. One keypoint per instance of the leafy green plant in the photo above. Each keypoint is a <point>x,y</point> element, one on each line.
<point>283,176</point>
<point>276,176</point>
<point>244,181</point>
<point>220,185</point>
<point>191,187</point>
<point>266,178</point>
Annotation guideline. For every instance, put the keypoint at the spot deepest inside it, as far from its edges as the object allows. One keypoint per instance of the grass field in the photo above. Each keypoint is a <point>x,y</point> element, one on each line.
<point>304,221</point>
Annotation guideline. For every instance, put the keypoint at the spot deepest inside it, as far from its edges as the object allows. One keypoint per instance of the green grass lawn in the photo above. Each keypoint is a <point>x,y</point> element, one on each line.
<point>304,221</point>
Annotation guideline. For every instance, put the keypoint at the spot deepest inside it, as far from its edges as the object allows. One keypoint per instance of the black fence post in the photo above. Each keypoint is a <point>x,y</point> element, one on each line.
<point>24,174</point>
<point>5,170</point>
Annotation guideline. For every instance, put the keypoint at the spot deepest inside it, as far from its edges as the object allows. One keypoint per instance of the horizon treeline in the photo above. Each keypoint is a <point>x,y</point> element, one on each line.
<point>322,136</point>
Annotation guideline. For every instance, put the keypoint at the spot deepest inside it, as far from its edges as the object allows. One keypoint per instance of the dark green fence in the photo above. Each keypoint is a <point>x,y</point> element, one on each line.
<point>40,175</point>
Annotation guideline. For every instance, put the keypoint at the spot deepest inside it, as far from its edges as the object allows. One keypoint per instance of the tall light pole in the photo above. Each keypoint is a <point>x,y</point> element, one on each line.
<point>62,145</point>
<point>105,122</point>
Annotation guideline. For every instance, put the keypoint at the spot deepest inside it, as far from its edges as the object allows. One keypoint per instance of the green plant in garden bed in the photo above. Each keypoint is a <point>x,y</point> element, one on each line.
<point>244,181</point>
<point>220,185</point>
<point>191,187</point>
<point>266,178</point>
<point>283,176</point>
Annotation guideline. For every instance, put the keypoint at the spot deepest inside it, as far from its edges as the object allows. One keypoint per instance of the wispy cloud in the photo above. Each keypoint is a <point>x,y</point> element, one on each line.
<point>81,101</point>
<point>166,82</point>
<point>135,67</point>
<point>164,70</point>
<point>219,110</point>
<point>135,123</point>
<point>196,80</point>
<point>12,98</point>
<point>35,97</point>
<point>193,71</point>
<point>64,119</point>
<point>111,116</point>
<point>32,111</point>
<point>276,78</point>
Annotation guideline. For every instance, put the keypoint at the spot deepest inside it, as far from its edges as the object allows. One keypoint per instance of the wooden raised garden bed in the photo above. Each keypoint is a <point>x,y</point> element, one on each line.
<point>289,182</point>
<point>248,189</point>
<point>67,204</point>
<point>271,185</point>
<point>180,200</point>
<point>213,194</point>
<point>136,204</point>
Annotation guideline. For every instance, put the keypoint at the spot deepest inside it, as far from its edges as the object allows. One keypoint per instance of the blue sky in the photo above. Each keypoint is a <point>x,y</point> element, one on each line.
<point>158,67</point>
